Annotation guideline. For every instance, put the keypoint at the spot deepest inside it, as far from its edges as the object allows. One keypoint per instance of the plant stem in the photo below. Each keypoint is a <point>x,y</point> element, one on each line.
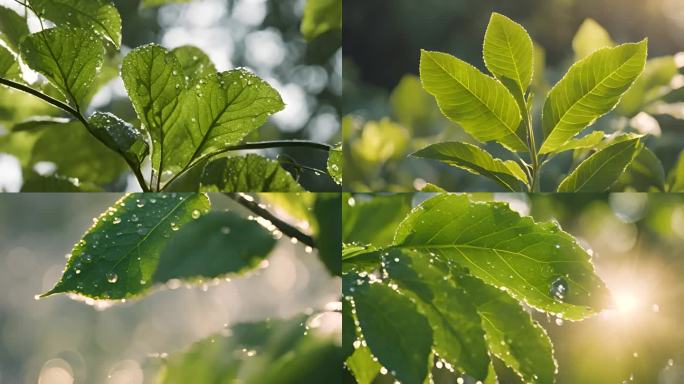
<point>533,152</point>
<point>251,146</point>
<point>287,229</point>
<point>75,113</point>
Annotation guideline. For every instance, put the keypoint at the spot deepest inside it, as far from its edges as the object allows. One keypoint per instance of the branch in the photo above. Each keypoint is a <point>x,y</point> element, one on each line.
<point>287,229</point>
<point>75,113</point>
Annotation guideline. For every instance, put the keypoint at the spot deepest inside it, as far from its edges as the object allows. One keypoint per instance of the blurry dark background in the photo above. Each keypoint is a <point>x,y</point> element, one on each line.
<point>382,42</point>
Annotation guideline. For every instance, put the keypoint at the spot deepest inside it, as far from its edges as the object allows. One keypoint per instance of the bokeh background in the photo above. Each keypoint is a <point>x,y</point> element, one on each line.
<point>58,340</point>
<point>261,35</point>
<point>388,116</point>
<point>636,242</point>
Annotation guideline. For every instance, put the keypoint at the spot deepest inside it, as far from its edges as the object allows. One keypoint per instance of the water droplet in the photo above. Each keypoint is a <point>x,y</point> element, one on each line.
<point>196,214</point>
<point>559,289</point>
<point>559,321</point>
<point>112,277</point>
<point>225,230</point>
<point>174,227</point>
<point>116,220</point>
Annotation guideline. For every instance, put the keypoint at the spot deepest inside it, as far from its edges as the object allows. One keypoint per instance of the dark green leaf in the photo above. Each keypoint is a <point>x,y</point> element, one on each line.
<point>456,326</point>
<point>250,173</point>
<point>69,57</point>
<point>9,67</point>
<point>120,136</point>
<point>100,16</point>
<point>214,245</point>
<point>34,182</point>
<point>395,332</point>
<point>117,257</point>
<point>534,262</point>
<point>327,229</point>
<point>602,169</point>
<point>645,173</point>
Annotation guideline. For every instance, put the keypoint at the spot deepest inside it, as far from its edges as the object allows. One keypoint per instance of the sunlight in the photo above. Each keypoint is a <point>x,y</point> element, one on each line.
<point>626,303</point>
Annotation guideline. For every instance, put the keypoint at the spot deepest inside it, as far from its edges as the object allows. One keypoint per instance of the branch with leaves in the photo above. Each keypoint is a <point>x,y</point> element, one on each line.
<point>192,119</point>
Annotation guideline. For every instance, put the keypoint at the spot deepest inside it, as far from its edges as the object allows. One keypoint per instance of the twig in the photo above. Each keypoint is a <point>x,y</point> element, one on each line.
<point>287,229</point>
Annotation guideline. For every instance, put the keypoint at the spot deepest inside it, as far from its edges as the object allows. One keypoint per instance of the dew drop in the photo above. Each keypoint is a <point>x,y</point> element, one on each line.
<point>174,227</point>
<point>116,220</point>
<point>559,289</point>
<point>196,214</point>
<point>112,277</point>
<point>225,230</point>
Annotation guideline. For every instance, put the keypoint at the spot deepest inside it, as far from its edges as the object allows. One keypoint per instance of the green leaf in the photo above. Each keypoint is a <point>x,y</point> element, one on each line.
<point>457,332</point>
<point>360,258</point>
<point>13,28</point>
<point>348,329</point>
<point>479,103</point>
<point>76,153</point>
<point>362,365</point>
<point>529,260</point>
<point>214,245</point>
<point>37,122</point>
<point>272,351</point>
<point>195,63</point>
<point>650,86</point>
<point>369,220</point>
<point>395,332</point>
<point>120,136</point>
<point>644,173</point>
<point>335,164</point>
<point>69,57</point>
<point>591,88</point>
<point>508,54</point>
<point>590,37</point>
<point>188,125</point>
<point>100,16</point>
<point>9,68</point>
<point>477,161</point>
<point>157,3</point>
<point>588,141</point>
<point>117,257</point>
<point>602,169</point>
<point>512,335</point>
<point>429,187</point>
<point>676,176</point>
<point>321,16</point>
<point>250,173</point>
<point>327,229</point>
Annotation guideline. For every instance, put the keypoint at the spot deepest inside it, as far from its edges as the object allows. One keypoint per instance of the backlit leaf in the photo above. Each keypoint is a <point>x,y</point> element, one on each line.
<point>590,37</point>
<point>13,28</point>
<point>321,16</point>
<point>480,104</point>
<point>250,173</point>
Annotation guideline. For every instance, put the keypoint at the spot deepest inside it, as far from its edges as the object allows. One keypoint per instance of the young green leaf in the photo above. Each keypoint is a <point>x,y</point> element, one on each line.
<point>456,326</point>
<point>100,16</point>
<point>649,86</point>
<point>334,165</point>
<point>645,173</point>
<point>591,88</point>
<point>512,335</point>
<point>120,136</point>
<point>155,82</point>
<point>676,176</point>
<point>508,54</point>
<point>69,57</point>
<point>534,262</point>
<point>250,173</point>
<point>214,245</point>
<point>399,336</point>
<point>271,351</point>
<point>321,16</point>
<point>13,28</point>
<point>602,169</point>
<point>590,37</point>
<point>117,257</point>
<point>588,141</point>
<point>362,365</point>
<point>195,63</point>
<point>479,103</point>
<point>373,221</point>
<point>477,161</point>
